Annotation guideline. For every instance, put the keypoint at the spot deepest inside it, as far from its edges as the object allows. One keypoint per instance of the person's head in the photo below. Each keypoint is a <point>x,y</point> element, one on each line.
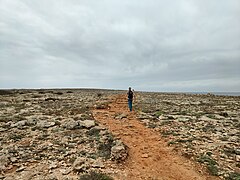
<point>129,88</point>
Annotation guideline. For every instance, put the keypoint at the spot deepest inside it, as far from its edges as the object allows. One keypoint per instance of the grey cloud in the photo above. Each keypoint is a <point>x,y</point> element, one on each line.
<point>182,45</point>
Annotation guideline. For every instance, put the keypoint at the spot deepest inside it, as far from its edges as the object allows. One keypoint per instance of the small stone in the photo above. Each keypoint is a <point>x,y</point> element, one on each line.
<point>19,124</point>
<point>121,116</point>
<point>145,156</point>
<point>13,159</point>
<point>98,164</point>
<point>66,171</point>
<point>237,158</point>
<point>71,124</point>
<point>53,165</point>
<point>2,129</point>
<point>4,161</point>
<point>20,169</point>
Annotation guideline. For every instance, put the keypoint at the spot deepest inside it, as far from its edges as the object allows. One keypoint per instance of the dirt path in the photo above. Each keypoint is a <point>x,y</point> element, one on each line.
<point>149,156</point>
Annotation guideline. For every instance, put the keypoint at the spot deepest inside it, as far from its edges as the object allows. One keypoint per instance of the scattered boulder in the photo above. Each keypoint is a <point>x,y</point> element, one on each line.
<point>45,124</point>
<point>70,124</point>
<point>119,151</point>
<point>20,169</point>
<point>97,164</point>
<point>19,124</point>
<point>4,161</point>
<point>87,123</point>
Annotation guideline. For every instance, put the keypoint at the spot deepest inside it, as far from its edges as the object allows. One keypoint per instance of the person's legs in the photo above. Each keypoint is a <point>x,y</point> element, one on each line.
<point>130,104</point>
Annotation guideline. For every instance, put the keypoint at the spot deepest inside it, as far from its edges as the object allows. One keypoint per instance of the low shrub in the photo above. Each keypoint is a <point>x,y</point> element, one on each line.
<point>95,176</point>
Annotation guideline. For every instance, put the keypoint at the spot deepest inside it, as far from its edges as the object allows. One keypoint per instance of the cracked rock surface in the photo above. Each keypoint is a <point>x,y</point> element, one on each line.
<point>204,128</point>
<point>51,134</point>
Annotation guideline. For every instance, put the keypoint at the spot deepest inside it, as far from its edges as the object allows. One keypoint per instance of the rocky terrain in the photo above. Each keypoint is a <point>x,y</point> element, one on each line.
<point>51,134</point>
<point>204,128</point>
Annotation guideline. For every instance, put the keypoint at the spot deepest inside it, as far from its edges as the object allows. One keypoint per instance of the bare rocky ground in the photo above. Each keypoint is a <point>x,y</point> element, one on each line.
<point>51,134</point>
<point>204,128</point>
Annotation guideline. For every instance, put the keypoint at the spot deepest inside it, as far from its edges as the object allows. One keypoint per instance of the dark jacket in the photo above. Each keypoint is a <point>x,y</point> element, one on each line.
<point>130,95</point>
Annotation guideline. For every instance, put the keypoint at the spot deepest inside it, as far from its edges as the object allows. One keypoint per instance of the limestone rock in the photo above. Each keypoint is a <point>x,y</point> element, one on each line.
<point>81,164</point>
<point>145,156</point>
<point>45,124</point>
<point>20,169</point>
<point>87,123</point>
<point>70,124</point>
<point>97,164</point>
<point>119,151</point>
<point>66,171</point>
<point>19,124</point>
<point>4,161</point>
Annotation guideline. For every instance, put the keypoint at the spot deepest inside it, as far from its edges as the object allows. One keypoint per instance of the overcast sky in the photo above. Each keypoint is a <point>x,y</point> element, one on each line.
<point>153,45</point>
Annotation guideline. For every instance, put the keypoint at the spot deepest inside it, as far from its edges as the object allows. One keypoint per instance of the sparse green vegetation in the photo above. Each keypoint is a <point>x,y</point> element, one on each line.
<point>171,142</point>
<point>152,125</point>
<point>166,122</point>
<point>211,164</point>
<point>213,169</point>
<point>5,92</point>
<point>182,119</point>
<point>212,116</point>
<point>184,112</point>
<point>104,149</point>
<point>16,137</point>
<point>95,176</point>
<point>209,127</point>
<point>158,113</point>
<point>167,133</point>
<point>225,138</point>
<point>233,176</point>
<point>94,133</point>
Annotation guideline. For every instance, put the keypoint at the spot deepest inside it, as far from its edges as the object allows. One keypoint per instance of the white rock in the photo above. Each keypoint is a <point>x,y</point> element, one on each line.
<point>87,123</point>
<point>118,152</point>
<point>237,158</point>
<point>66,171</point>
<point>4,161</point>
<point>98,164</point>
<point>45,124</point>
<point>145,156</point>
<point>19,124</point>
<point>20,169</point>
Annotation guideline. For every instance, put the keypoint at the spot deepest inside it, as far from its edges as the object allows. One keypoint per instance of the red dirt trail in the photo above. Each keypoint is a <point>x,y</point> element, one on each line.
<point>149,156</point>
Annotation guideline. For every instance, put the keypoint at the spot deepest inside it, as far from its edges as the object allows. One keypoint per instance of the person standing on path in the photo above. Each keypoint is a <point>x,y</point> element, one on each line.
<point>130,98</point>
